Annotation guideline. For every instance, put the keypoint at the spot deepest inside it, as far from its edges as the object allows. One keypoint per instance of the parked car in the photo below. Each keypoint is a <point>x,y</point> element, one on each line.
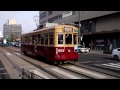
<point>116,54</point>
<point>81,49</point>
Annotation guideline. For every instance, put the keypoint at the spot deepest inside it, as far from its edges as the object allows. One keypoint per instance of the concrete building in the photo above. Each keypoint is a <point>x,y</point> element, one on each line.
<point>11,22</point>
<point>99,28</point>
<point>11,28</point>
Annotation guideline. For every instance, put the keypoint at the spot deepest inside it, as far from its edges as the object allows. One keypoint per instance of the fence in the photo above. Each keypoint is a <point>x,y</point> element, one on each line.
<point>29,75</point>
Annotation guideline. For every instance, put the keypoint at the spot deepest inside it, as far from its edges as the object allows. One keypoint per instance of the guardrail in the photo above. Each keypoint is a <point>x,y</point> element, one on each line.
<point>2,73</point>
<point>29,75</point>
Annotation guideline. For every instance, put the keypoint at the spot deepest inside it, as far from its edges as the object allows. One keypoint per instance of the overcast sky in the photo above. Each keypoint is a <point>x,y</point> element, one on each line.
<point>25,18</point>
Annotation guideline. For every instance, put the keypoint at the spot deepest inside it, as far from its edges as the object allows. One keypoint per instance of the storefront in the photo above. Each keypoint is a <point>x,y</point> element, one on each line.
<point>103,40</point>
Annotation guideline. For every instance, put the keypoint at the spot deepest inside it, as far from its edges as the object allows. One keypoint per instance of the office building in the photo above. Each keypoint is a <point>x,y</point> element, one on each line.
<point>12,28</point>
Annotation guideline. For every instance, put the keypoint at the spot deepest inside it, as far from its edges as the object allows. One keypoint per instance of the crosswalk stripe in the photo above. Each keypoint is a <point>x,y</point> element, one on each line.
<point>2,68</point>
<point>87,72</point>
<point>65,73</point>
<point>17,53</point>
<point>112,65</point>
<point>8,53</point>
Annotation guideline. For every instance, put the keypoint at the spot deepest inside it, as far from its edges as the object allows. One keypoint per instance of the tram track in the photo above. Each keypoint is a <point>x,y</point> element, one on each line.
<point>59,76</point>
<point>38,66</point>
<point>90,73</point>
<point>100,70</point>
<point>20,70</point>
<point>67,67</point>
<point>17,68</point>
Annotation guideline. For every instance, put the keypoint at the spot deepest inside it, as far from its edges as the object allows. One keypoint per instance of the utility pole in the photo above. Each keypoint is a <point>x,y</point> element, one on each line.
<point>39,18</point>
<point>79,25</point>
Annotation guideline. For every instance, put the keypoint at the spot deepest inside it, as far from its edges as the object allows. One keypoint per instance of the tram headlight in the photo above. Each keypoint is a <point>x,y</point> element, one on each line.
<point>69,50</point>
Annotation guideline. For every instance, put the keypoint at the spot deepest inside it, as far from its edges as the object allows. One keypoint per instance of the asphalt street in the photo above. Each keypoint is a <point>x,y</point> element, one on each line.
<point>92,58</point>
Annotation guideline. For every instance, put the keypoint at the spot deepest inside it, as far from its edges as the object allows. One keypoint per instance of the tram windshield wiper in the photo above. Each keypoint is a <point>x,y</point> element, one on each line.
<point>67,35</point>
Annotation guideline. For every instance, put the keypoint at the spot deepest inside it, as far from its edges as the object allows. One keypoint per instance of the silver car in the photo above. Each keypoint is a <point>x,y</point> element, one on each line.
<point>81,49</point>
<point>116,54</point>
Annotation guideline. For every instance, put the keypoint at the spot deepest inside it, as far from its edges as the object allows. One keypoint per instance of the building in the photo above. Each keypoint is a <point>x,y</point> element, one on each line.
<point>12,28</point>
<point>1,35</point>
<point>100,29</point>
<point>11,22</point>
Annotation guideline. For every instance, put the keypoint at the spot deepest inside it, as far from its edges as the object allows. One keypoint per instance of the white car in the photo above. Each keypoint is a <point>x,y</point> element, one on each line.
<point>81,49</point>
<point>116,54</point>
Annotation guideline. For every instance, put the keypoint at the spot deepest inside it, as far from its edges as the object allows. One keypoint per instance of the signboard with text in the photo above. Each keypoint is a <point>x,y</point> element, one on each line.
<point>67,29</point>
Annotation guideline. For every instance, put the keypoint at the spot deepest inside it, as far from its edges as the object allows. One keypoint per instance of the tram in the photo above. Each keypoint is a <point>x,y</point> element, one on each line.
<point>58,44</point>
<point>4,42</point>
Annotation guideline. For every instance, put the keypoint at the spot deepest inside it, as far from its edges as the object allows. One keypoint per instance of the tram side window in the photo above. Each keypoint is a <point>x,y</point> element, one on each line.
<point>68,38</point>
<point>75,38</point>
<point>30,40</point>
<point>46,39</point>
<point>42,39</point>
<point>60,38</point>
<point>36,39</point>
<point>22,39</point>
<point>25,40</point>
<point>39,38</point>
<point>33,39</point>
<point>51,39</point>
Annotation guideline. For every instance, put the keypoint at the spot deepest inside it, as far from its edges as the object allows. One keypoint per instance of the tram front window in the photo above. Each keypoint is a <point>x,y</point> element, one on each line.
<point>68,38</point>
<point>60,38</point>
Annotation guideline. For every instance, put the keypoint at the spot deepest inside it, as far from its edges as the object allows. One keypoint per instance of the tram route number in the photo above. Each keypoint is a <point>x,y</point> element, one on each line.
<point>59,50</point>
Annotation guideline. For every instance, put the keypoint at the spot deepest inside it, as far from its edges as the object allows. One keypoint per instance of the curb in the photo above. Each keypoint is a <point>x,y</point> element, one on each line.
<point>100,53</point>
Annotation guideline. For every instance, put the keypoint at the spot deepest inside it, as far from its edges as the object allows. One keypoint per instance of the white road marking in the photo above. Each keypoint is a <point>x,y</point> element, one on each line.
<point>39,74</point>
<point>2,68</point>
<point>89,73</point>
<point>26,66</point>
<point>90,61</point>
<point>3,73</point>
<point>118,64</point>
<point>8,54</point>
<point>112,65</point>
<point>17,53</point>
<point>65,73</point>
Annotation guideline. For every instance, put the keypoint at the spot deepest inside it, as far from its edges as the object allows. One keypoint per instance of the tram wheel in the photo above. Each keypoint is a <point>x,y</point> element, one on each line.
<point>116,57</point>
<point>25,52</point>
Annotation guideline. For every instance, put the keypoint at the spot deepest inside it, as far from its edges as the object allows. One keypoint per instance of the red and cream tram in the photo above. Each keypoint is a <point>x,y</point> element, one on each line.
<point>57,43</point>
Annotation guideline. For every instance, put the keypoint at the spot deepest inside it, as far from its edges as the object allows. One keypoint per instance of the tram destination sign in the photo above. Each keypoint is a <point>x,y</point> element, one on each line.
<point>68,29</point>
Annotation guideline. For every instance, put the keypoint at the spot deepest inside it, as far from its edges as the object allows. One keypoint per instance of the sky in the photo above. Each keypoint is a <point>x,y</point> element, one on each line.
<point>25,18</point>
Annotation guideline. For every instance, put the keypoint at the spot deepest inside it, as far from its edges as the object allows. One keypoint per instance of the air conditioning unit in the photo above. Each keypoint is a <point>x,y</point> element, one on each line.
<point>49,25</point>
<point>46,25</point>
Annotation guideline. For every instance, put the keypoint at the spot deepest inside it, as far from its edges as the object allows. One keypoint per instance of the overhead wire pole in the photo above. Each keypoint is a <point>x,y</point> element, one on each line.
<point>39,18</point>
<point>79,25</point>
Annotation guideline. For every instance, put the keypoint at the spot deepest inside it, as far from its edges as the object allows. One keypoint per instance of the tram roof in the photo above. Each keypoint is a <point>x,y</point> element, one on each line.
<point>47,28</point>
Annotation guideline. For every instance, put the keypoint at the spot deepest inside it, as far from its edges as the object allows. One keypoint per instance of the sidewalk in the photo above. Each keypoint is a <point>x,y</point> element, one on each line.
<point>98,52</point>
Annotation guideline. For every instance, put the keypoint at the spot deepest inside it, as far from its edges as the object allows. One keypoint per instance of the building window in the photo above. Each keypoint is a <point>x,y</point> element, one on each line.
<point>43,15</point>
<point>43,22</point>
<point>55,18</point>
<point>66,14</point>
